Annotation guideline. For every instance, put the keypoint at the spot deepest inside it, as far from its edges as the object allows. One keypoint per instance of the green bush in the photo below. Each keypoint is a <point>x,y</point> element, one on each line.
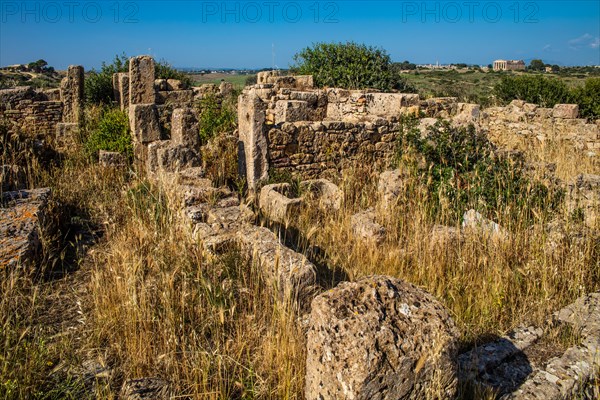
<point>462,170</point>
<point>545,92</point>
<point>349,65</point>
<point>588,98</point>
<point>98,85</point>
<point>111,134</point>
<point>216,116</point>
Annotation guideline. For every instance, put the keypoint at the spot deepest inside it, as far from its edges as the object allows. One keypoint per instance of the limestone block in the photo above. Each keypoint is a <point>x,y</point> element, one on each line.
<point>253,145</point>
<point>567,111</point>
<point>141,80</point>
<point>176,157</point>
<point>276,206</point>
<point>474,221</point>
<point>184,128</point>
<point>143,119</point>
<point>72,94</point>
<point>123,87</point>
<point>291,111</point>
<point>66,132</point>
<point>379,338</point>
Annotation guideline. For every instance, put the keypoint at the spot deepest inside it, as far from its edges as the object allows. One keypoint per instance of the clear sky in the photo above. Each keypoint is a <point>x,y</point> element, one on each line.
<point>252,34</point>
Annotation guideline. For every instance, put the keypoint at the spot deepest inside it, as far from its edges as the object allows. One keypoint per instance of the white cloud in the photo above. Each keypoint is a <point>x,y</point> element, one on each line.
<point>547,47</point>
<point>585,40</point>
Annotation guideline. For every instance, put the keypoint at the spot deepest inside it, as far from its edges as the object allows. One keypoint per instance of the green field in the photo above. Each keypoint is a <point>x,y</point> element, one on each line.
<point>238,80</point>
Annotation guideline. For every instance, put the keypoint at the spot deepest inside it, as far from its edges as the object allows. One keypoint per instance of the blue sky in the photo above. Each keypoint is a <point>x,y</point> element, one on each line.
<point>241,34</point>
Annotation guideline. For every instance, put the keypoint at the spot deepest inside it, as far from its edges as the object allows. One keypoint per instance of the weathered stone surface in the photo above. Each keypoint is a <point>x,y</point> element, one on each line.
<point>475,222</point>
<point>174,84</point>
<point>181,98</point>
<point>22,223</point>
<point>290,273</point>
<point>324,192</point>
<point>71,94</point>
<point>123,89</point>
<point>291,111</point>
<point>583,315</point>
<point>176,157</point>
<point>380,338</point>
<point>184,128</point>
<point>253,146</point>
<point>225,88</point>
<point>567,111</point>
<point>475,364</point>
<point>365,228</point>
<point>141,80</point>
<point>143,119</point>
<point>275,204</point>
<point>112,159</point>
<point>390,186</point>
<point>152,163</point>
<point>145,389</point>
<point>66,133</point>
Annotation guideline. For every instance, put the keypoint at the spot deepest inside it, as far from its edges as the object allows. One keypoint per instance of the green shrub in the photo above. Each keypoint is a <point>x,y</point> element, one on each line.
<point>545,92</point>
<point>111,134</point>
<point>588,98</point>
<point>349,65</point>
<point>98,84</point>
<point>462,170</point>
<point>216,116</point>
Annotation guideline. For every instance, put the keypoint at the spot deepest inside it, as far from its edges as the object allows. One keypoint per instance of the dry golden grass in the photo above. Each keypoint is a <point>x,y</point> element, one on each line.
<point>156,305</point>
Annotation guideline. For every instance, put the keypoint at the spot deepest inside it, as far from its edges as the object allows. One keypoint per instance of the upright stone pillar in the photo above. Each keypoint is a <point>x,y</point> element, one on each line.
<point>141,80</point>
<point>143,114</point>
<point>252,151</point>
<point>122,89</point>
<point>71,94</point>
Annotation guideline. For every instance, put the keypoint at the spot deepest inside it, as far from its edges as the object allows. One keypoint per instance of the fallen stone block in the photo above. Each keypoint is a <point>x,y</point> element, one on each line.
<point>324,192</point>
<point>290,273</point>
<point>380,338</point>
<point>365,228</point>
<point>566,111</point>
<point>276,206</point>
<point>22,224</point>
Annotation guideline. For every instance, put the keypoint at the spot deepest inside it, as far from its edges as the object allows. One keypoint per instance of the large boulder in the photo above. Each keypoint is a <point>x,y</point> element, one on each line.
<point>380,338</point>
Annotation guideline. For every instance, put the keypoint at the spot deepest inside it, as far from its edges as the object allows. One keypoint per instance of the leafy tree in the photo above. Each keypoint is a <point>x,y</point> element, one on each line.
<point>537,89</point>
<point>98,84</point>
<point>537,65</point>
<point>348,65</point>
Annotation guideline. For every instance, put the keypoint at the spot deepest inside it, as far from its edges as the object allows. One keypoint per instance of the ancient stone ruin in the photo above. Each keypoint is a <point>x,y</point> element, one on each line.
<point>379,337</point>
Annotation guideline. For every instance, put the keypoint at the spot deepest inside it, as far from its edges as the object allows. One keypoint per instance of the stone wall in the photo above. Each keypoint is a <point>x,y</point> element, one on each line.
<point>521,125</point>
<point>26,110</point>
